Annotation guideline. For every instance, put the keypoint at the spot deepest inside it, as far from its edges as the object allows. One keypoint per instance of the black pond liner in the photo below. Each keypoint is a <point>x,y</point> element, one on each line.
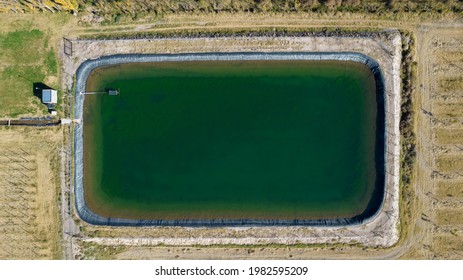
<point>374,206</point>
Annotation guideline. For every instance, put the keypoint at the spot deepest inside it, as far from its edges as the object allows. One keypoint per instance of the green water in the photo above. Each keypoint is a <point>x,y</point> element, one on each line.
<point>273,139</point>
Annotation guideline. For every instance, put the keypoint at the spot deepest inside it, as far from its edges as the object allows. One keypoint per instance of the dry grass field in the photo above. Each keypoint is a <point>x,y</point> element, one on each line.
<point>30,226</point>
<point>443,98</point>
<point>28,48</point>
<point>38,6</point>
<point>29,217</point>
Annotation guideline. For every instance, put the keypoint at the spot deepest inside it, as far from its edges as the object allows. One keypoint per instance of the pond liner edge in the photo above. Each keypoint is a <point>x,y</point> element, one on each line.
<point>88,66</point>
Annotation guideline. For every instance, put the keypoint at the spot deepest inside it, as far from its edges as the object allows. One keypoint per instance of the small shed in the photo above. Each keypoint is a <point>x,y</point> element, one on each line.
<point>49,96</point>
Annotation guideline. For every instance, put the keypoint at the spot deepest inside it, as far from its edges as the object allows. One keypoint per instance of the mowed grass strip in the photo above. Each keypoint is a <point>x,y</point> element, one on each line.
<point>22,46</point>
<point>451,245</point>
<point>449,136</point>
<point>447,109</point>
<point>449,189</point>
<point>16,91</point>
<point>451,83</point>
<point>450,163</point>
<point>450,217</point>
<point>26,58</point>
<point>449,57</point>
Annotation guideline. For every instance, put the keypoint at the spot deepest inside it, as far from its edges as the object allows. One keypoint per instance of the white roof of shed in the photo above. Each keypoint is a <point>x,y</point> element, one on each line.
<point>49,96</point>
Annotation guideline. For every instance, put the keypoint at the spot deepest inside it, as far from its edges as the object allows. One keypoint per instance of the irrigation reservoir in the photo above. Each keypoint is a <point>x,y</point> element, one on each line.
<point>242,142</point>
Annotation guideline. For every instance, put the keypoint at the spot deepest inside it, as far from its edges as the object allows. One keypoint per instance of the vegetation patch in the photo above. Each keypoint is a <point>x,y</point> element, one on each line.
<point>26,59</point>
<point>450,163</point>
<point>95,251</point>
<point>454,109</point>
<point>30,6</point>
<point>16,91</point>
<point>22,46</point>
<point>111,11</point>
<point>449,136</point>
<point>51,63</point>
<point>451,84</point>
<point>407,132</point>
<point>238,31</point>
<point>449,189</point>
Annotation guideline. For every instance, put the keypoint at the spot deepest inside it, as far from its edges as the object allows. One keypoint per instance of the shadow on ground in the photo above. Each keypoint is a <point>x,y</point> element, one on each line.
<point>37,88</point>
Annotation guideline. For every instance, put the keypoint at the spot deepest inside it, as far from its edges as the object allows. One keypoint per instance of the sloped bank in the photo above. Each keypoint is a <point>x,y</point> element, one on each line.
<point>372,210</point>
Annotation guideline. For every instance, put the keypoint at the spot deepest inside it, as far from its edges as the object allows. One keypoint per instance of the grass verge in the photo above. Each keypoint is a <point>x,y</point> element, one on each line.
<point>27,58</point>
